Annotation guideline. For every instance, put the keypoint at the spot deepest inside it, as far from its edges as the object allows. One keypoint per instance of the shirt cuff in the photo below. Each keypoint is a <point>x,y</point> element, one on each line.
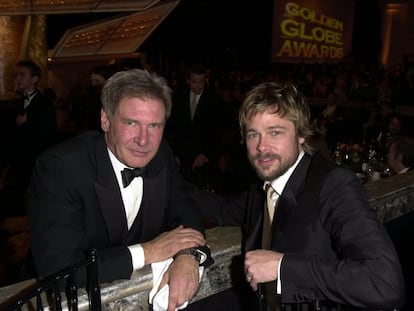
<point>137,255</point>
<point>279,282</point>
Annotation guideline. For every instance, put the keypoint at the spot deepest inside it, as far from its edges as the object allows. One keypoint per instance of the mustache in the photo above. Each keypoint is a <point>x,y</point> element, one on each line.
<point>267,155</point>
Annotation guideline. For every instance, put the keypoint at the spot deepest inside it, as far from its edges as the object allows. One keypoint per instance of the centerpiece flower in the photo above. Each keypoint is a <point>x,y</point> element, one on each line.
<point>350,155</point>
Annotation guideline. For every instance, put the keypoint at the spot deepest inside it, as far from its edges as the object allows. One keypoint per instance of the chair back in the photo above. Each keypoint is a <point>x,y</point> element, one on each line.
<point>48,291</point>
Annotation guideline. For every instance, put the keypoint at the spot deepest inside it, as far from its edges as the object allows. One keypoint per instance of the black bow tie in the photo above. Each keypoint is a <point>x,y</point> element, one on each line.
<point>129,174</point>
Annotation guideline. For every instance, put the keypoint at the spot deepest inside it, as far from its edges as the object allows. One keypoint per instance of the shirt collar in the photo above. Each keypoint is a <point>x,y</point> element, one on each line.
<point>192,94</point>
<point>279,183</point>
<point>117,165</point>
<point>30,95</point>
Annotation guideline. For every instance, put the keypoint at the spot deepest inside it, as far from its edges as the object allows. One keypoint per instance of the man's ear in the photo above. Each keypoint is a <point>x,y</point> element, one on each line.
<point>104,121</point>
<point>35,80</point>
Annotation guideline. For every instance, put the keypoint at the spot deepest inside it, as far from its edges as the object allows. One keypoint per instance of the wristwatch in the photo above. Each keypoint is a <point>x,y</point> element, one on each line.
<point>201,254</point>
<point>193,252</point>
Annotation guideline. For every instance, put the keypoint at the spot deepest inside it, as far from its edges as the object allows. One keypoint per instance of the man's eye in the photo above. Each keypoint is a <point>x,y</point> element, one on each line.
<point>155,125</point>
<point>275,133</point>
<point>252,135</point>
<point>130,123</point>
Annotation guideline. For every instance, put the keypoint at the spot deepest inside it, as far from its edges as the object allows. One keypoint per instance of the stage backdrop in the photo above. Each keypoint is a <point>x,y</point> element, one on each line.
<point>312,31</point>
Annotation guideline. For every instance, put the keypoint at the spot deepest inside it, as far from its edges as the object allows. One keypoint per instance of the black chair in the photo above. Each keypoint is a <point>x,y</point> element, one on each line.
<point>63,281</point>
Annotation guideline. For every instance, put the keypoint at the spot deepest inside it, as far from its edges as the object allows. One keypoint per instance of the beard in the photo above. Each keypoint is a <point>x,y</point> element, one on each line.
<point>276,169</point>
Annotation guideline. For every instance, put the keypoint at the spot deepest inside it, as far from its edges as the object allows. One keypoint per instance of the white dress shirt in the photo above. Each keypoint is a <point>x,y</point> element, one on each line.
<point>132,197</point>
<point>29,96</point>
<point>194,98</point>
<point>279,184</point>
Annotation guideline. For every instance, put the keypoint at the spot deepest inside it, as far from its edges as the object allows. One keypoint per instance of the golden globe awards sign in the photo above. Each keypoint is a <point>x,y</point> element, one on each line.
<point>312,31</point>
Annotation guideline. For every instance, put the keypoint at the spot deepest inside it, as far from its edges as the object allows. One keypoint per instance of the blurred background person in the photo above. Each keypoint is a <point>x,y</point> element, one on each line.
<point>36,126</point>
<point>195,126</point>
<point>87,108</point>
<point>35,129</point>
<point>393,126</point>
<point>400,155</point>
<point>31,125</point>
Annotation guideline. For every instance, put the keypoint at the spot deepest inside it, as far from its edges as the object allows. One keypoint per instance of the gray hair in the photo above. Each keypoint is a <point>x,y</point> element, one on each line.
<point>135,83</point>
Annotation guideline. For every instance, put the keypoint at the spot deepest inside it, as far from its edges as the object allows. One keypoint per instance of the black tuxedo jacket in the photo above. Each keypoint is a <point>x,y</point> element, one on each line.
<point>75,204</point>
<point>188,137</point>
<point>335,249</point>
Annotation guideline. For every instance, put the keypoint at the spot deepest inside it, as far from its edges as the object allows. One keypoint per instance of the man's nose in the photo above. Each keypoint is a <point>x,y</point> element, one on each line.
<point>141,136</point>
<point>262,144</point>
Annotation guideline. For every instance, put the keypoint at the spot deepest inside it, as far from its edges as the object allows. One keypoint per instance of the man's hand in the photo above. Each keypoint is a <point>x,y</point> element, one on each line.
<point>199,161</point>
<point>260,266</point>
<point>183,279</point>
<point>21,118</point>
<point>167,244</point>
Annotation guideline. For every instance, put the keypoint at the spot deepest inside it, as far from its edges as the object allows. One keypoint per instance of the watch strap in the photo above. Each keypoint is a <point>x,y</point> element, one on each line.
<point>201,253</point>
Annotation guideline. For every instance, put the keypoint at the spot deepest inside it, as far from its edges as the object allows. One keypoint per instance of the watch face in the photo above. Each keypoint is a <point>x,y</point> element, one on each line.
<point>201,254</point>
<point>196,255</point>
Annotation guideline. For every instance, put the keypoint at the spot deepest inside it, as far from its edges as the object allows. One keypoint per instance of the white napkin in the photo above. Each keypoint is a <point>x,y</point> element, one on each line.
<point>159,300</point>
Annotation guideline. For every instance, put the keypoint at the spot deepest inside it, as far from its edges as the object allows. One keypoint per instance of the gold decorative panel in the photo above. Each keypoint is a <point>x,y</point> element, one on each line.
<point>118,36</point>
<point>28,7</point>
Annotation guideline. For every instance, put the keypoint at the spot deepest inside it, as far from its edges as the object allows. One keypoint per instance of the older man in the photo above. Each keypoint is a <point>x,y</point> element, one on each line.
<point>119,192</point>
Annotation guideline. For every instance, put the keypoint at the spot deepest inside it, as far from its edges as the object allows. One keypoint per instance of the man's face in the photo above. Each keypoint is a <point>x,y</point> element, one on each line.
<point>25,82</point>
<point>394,126</point>
<point>134,132</point>
<point>197,83</point>
<point>272,144</point>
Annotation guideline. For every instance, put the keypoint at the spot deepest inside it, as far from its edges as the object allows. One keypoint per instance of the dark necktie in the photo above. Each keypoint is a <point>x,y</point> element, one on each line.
<point>128,174</point>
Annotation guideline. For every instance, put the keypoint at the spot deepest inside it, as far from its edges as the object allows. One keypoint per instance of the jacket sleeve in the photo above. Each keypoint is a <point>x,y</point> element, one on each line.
<point>221,210</point>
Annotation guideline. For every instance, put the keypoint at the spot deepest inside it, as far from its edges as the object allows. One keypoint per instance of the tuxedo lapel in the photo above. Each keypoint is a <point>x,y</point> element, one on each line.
<point>287,204</point>
<point>150,219</point>
<point>186,109</point>
<point>285,209</point>
<point>200,109</point>
<point>109,195</point>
